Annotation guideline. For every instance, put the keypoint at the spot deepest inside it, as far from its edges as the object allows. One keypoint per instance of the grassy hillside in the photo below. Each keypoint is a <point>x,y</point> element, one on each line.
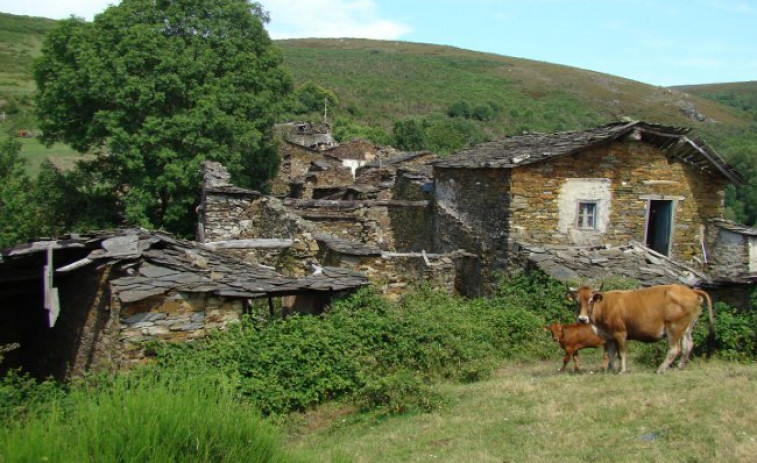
<point>740,95</point>
<point>379,82</point>
<point>20,41</point>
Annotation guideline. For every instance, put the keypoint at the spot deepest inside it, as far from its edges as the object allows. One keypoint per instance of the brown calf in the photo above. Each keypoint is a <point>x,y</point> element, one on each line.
<point>646,315</point>
<point>573,338</point>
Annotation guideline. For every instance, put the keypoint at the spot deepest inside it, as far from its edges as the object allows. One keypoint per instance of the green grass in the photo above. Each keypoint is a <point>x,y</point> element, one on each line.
<point>144,419</point>
<point>35,153</point>
<point>529,412</point>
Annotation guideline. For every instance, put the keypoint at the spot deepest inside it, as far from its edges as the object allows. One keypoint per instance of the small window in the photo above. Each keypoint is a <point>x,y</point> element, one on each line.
<point>587,215</point>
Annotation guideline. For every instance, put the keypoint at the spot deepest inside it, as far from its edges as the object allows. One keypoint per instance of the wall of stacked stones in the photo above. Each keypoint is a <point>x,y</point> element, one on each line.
<point>728,252</point>
<point>295,164</point>
<point>173,317</point>
<point>393,276</point>
<point>472,213</point>
<point>636,170</point>
<point>414,226</point>
<point>235,217</point>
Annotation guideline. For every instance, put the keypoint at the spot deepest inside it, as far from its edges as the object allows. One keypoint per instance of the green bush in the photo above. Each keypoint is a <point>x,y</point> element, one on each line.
<point>399,392</point>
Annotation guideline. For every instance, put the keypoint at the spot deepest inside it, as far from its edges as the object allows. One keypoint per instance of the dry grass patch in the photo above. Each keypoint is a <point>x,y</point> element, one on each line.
<point>531,413</point>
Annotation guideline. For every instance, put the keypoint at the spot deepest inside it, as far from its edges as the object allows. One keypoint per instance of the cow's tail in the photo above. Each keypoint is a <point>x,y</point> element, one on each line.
<point>711,334</point>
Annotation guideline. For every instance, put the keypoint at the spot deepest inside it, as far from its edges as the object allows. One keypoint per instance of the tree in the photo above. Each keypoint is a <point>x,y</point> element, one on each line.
<point>156,87</point>
<point>18,216</point>
<point>311,97</point>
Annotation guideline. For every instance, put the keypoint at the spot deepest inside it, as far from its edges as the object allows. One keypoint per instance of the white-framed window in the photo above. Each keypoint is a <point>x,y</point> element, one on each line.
<point>587,215</point>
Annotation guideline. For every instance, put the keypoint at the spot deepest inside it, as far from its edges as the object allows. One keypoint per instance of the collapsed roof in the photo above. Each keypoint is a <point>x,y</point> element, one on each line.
<point>153,263</point>
<point>529,149</point>
<point>633,261</point>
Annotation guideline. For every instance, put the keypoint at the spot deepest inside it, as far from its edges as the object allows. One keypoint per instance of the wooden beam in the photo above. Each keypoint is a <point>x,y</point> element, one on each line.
<point>353,204</point>
<point>258,243</point>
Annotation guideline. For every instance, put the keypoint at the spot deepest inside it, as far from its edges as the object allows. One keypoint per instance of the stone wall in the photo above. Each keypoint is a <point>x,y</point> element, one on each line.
<point>414,226</point>
<point>636,172</point>
<point>728,253</point>
<point>472,212</point>
<point>295,162</point>
<point>173,317</point>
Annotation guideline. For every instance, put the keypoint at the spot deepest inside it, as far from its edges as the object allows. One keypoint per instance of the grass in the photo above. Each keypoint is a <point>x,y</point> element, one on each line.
<point>63,156</point>
<point>529,412</point>
<point>144,419</point>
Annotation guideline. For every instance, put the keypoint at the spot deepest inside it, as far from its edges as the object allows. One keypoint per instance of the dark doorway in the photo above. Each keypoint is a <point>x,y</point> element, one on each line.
<point>660,226</point>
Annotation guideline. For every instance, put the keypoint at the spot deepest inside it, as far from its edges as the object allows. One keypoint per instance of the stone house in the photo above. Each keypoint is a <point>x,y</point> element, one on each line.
<point>608,186</point>
<point>90,301</point>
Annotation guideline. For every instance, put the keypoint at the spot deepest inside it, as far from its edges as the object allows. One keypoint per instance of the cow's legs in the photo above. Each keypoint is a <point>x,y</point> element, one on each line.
<point>576,365</point>
<point>605,357</point>
<point>687,344</point>
<point>673,351</point>
<point>565,360</point>
<point>620,340</point>
<point>612,348</point>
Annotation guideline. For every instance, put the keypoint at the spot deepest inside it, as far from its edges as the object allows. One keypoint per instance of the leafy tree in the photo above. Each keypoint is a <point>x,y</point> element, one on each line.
<point>162,85</point>
<point>409,134</point>
<point>18,217</point>
<point>437,133</point>
<point>311,97</point>
<point>346,129</point>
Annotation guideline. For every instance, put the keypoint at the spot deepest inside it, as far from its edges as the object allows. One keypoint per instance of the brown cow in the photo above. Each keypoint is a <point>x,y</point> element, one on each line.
<point>646,315</point>
<point>573,338</point>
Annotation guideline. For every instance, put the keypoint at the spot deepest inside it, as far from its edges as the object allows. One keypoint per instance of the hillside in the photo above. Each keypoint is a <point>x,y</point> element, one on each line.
<point>380,82</point>
<point>387,80</point>
<point>739,95</point>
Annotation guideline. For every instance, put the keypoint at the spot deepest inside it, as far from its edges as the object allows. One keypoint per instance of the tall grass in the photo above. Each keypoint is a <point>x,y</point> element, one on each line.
<point>145,418</point>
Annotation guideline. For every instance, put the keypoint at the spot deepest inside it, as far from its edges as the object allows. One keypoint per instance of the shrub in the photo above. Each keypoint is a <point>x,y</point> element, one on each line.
<point>401,391</point>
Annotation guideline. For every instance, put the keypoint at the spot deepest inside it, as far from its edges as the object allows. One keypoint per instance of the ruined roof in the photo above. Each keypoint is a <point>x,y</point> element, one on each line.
<point>217,179</point>
<point>734,227</point>
<point>152,263</point>
<point>533,148</point>
<point>575,264</point>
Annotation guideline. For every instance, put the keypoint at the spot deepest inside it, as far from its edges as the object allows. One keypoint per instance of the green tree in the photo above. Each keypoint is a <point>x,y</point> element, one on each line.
<point>162,85</point>
<point>311,97</point>
<point>18,216</point>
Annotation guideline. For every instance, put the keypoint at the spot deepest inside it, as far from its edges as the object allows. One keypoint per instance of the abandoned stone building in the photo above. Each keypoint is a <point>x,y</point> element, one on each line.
<point>621,183</point>
<point>607,196</point>
<point>88,301</point>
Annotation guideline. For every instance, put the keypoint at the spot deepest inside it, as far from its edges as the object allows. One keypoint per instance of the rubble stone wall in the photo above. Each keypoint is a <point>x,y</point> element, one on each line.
<point>472,213</point>
<point>728,252</point>
<point>173,317</point>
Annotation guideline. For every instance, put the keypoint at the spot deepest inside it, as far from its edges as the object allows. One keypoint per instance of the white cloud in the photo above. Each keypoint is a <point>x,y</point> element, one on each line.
<point>330,18</point>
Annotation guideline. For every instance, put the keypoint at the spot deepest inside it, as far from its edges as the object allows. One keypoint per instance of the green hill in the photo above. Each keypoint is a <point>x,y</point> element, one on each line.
<point>739,95</point>
<point>379,82</point>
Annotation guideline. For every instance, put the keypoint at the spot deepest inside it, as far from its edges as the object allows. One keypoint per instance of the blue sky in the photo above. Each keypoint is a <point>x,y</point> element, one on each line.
<point>665,42</point>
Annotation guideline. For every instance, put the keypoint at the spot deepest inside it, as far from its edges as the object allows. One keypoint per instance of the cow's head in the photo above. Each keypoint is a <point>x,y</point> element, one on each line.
<point>556,330</point>
<point>585,297</point>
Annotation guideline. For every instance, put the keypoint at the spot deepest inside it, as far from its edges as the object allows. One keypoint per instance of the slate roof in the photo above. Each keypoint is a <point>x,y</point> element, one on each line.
<point>529,149</point>
<point>592,264</point>
<point>153,263</point>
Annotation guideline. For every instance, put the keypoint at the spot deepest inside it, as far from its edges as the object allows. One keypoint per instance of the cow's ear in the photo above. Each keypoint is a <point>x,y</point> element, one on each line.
<point>597,297</point>
<point>571,296</point>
